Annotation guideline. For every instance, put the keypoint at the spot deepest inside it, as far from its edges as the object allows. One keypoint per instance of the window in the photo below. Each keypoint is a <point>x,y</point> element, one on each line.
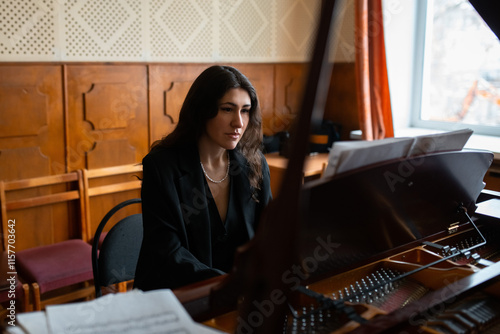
<point>460,65</point>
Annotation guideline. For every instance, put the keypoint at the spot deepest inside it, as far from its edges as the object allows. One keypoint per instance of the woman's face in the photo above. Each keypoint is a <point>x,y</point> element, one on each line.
<point>228,126</point>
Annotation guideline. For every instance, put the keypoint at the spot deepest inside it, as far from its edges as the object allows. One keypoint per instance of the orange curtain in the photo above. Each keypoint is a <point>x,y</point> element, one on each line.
<point>374,102</point>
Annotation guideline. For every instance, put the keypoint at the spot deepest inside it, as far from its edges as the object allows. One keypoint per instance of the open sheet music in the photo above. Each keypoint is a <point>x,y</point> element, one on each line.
<point>133,312</point>
<point>348,155</point>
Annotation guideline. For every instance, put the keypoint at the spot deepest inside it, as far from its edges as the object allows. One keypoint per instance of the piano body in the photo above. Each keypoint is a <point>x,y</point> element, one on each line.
<point>403,246</point>
<point>386,254</point>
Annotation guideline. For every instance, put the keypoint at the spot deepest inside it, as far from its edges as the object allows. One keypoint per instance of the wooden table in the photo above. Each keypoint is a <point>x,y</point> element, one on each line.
<point>314,165</point>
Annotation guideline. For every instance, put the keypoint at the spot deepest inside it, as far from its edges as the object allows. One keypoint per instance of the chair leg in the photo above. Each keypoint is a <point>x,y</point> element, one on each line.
<point>122,287</point>
<point>90,296</point>
<point>26,300</point>
<point>36,297</point>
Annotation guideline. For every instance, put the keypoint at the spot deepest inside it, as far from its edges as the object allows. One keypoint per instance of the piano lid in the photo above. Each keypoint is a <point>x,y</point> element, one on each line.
<point>489,10</point>
<point>364,214</point>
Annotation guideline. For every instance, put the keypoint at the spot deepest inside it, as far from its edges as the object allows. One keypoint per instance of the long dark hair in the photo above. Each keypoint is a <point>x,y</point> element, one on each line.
<point>201,104</point>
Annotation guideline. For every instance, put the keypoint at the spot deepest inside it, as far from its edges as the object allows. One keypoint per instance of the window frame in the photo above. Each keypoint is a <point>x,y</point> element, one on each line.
<point>420,77</point>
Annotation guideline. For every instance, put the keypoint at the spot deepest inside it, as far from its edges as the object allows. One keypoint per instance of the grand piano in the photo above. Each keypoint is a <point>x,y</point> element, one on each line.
<point>403,246</point>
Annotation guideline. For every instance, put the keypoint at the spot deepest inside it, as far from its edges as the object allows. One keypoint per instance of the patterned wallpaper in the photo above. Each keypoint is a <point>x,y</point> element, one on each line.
<point>164,30</point>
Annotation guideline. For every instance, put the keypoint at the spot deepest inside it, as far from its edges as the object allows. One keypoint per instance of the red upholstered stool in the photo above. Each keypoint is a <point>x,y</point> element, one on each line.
<point>47,268</point>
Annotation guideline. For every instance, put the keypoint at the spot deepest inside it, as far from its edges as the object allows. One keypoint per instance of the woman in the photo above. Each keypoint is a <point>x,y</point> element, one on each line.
<point>204,185</point>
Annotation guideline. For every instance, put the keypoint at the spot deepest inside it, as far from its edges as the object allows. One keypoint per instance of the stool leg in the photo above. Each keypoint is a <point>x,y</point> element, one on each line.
<point>36,297</point>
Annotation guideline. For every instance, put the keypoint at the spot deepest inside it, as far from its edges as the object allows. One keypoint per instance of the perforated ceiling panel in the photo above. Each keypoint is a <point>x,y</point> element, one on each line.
<point>157,30</point>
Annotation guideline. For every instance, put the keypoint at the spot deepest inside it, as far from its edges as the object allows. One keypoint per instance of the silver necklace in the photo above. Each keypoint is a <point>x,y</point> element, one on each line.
<point>225,176</point>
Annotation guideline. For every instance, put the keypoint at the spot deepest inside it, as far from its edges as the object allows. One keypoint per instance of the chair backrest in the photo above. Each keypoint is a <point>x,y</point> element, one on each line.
<point>116,259</point>
<point>105,188</point>
<point>43,210</point>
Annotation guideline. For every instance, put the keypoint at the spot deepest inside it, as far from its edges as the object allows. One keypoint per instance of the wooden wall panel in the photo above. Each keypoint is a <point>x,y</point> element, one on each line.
<point>107,115</point>
<point>114,152</point>
<point>31,121</point>
<point>168,86</point>
<point>341,104</point>
<point>289,85</point>
<point>262,78</point>
<point>115,111</point>
<point>27,101</point>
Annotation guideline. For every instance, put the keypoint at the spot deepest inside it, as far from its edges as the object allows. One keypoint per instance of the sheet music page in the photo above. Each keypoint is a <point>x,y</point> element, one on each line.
<point>133,312</point>
<point>447,141</point>
<point>31,322</point>
<point>348,155</point>
<point>490,208</point>
<point>15,330</point>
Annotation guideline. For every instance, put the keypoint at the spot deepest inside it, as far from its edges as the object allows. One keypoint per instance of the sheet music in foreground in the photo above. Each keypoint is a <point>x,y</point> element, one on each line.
<point>125,313</point>
<point>133,312</point>
<point>349,155</point>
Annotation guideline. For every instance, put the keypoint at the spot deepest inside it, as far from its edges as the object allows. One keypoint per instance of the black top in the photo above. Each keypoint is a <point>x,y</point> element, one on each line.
<point>226,236</point>
<point>184,238</point>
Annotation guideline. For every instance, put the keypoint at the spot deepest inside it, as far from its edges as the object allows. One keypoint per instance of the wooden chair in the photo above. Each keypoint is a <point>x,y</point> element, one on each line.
<point>104,189</point>
<point>60,271</point>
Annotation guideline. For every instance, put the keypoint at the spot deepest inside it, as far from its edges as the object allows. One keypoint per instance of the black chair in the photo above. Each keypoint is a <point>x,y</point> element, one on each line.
<point>115,260</point>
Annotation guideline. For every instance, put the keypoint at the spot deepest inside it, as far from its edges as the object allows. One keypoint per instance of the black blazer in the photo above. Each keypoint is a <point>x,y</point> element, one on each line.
<point>177,246</point>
